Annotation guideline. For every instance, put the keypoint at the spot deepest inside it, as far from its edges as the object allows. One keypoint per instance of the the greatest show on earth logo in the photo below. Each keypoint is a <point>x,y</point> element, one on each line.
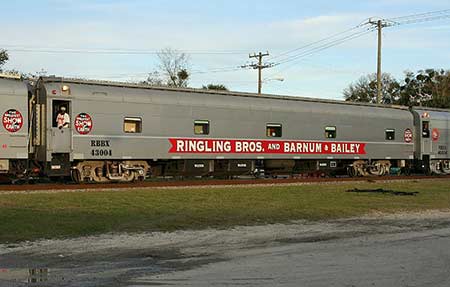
<point>435,134</point>
<point>408,135</point>
<point>12,120</point>
<point>83,123</point>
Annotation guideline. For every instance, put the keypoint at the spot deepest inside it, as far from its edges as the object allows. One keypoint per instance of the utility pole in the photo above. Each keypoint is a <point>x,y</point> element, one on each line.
<point>259,67</point>
<point>379,27</point>
<point>380,24</point>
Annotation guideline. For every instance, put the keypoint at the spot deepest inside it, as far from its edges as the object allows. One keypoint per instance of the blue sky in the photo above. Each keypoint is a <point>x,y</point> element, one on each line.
<point>206,29</point>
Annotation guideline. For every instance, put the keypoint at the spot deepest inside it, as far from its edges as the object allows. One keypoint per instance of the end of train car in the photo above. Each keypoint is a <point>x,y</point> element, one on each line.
<point>433,143</point>
<point>14,145</point>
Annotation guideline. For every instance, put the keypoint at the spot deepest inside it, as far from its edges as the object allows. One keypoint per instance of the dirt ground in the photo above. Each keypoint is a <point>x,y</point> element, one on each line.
<point>137,259</point>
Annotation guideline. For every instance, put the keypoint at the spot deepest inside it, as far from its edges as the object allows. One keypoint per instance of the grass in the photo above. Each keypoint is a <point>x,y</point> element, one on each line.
<point>59,215</point>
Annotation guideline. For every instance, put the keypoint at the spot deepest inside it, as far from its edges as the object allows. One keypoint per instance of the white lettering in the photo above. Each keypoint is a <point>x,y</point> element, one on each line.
<point>333,148</point>
<point>274,146</point>
<point>227,146</point>
<point>318,147</point>
<point>191,146</point>
<point>259,147</point>
<point>180,146</point>
<point>287,147</point>
<point>207,147</point>
<point>238,146</point>
<point>357,148</point>
<point>200,146</point>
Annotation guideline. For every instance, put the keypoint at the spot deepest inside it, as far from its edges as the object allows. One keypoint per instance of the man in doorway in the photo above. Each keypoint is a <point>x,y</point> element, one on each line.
<point>63,118</point>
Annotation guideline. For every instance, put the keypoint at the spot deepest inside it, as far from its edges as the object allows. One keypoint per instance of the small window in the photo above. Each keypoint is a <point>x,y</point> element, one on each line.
<point>201,127</point>
<point>273,130</point>
<point>330,132</point>
<point>61,112</point>
<point>390,134</point>
<point>425,129</point>
<point>132,125</point>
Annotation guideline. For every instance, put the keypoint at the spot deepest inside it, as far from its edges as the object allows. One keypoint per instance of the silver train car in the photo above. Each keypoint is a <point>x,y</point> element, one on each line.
<point>14,109</point>
<point>126,132</point>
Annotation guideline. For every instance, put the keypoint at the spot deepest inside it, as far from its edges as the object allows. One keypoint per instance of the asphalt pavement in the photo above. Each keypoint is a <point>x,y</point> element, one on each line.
<point>396,250</point>
<point>403,259</point>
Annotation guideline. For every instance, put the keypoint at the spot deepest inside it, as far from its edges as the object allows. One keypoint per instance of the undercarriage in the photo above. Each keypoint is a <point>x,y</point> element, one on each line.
<point>109,171</point>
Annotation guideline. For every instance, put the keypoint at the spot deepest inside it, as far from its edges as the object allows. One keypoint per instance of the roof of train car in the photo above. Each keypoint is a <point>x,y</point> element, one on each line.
<point>12,85</point>
<point>10,76</point>
<point>53,79</point>
<point>202,91</point>
<point>435,113</point>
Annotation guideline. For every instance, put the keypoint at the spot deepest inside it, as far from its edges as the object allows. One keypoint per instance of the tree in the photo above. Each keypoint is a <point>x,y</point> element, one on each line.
<point>173,70</point>
<point>365,89</point>
<point>153,79</point>
<point>428,87</point>
<point>4,57</point>
<point>217,87</point>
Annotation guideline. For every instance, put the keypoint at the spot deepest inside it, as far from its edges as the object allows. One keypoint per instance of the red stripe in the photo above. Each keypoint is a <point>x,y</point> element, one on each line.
<point>224,146</point>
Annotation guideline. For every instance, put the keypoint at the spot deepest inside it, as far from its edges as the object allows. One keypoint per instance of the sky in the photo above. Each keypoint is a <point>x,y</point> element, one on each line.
<point>218,36</point>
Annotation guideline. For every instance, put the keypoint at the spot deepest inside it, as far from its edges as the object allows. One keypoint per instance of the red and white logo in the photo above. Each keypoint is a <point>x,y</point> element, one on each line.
<point>226,146</point>
<point>435,134</point>
<point>83,123</point>
<point>408,136</point>
<point>12,120</point>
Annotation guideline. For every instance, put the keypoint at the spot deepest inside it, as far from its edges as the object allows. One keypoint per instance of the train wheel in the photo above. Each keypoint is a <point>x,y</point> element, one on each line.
<point>75,175</point>
<point>359,168</point>
<point>351,171</point>
<point>446,166</point>
<point>380,168</point>
<point>138,177</point>
<point>128,176</point>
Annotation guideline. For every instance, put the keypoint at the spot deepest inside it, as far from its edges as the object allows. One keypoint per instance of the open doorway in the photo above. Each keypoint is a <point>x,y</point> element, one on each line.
<point>61,113</point>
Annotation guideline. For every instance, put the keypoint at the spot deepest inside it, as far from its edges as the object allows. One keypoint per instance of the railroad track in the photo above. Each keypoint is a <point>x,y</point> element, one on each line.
<point>7,188</point>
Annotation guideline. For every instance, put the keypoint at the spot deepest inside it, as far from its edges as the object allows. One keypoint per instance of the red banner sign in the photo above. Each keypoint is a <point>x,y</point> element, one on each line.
<point>222,146</point>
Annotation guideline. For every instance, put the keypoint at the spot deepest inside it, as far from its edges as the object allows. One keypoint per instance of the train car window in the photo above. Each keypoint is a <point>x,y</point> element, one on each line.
<point>201,127</point>
<point>60,107</point>
<point>330,132</point>
<point>425,129</point>
<point>132,125</point>
<point>274,130</point>
<point>390,134</point>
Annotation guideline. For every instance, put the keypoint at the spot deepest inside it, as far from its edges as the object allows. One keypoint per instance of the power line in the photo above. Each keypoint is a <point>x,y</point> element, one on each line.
<point>22,49</point>
<point>409,19</point>
<point>302,56</point>
<point>316,42</point>
<point>334,40</point>
<point>218,70</point>
<point>420,17</point>
<point>324,47</point>
<point>403,20</point>
<point>290,56</point>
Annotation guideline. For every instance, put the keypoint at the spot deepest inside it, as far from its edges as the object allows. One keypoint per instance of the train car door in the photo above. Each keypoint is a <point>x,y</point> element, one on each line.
<point>61,128</point>
<point>426,138</point>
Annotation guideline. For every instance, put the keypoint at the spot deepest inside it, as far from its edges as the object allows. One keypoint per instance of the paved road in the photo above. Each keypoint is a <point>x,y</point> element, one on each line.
<point>388,250</point>
<point>419,258</point>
